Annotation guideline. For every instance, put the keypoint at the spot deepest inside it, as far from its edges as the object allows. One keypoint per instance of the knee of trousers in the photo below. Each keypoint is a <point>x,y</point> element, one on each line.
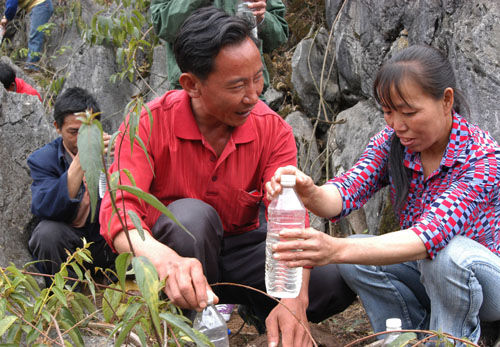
<point>48,235</point>
<point>198,217</point>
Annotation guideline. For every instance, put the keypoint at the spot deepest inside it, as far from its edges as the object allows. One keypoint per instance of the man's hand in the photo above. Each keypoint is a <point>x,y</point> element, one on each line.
<point>185,285</point>
<point>258,8</point>
<point>4,22</point>
<point>281,320</point>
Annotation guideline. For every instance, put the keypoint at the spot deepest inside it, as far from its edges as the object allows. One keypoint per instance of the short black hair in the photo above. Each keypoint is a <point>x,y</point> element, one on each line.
<point>7,75</point>
<point>73,100</point>
<point>201,37</point>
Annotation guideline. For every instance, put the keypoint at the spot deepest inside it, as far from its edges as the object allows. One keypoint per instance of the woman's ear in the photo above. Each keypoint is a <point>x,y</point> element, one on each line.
<point>190,83</point>
<point>448,99</point>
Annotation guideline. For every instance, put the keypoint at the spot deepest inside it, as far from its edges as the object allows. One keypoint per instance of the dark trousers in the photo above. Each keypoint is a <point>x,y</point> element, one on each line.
<point>241,259</point>
<point>50,240</point>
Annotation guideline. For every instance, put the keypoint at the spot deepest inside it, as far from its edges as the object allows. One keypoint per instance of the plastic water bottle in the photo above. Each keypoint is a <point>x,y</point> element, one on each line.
<point>244,12</point>
<point>103,185</point>
<point>391,324</point>
<point>211,323</point>
<point>284,212</point>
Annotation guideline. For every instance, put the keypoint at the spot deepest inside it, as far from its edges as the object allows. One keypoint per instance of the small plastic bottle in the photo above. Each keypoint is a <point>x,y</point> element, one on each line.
<point>286,211</point>
<point>391,324</point>
<point>103,185</point>
<point>211,323</point>
<point>244,12</point>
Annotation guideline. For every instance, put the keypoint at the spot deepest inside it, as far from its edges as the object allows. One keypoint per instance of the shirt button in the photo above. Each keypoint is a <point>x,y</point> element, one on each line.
<point>214,178</point>
<point>212,158</point>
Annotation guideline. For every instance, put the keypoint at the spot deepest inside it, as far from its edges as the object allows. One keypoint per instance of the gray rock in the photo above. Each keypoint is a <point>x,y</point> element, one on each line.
<point>23,129</point>
<point>158,77</point>
<point>311,72</point>
<point>346,142</point>
<point>309,159</point>
<point>89,67</point>
<point>274,98</point>
<point>369,32</point>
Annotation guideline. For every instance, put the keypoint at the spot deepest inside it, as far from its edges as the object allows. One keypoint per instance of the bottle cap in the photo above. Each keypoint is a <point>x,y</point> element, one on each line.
<point>288,180</point>
<point>210,297</point>
<point>393,324</point>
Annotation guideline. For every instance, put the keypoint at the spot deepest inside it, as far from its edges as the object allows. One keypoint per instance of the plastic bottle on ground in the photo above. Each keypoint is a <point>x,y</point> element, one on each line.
<point>286,211</point>
<point>391,324</point>
<point>211,323</point>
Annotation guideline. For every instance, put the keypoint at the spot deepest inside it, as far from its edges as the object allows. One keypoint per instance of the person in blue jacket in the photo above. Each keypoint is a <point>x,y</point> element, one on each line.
<point>59,195</point>
<point>40,12</point>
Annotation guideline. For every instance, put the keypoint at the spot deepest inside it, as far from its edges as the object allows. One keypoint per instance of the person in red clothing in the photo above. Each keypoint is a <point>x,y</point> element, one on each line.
<point>211,148</point>
<point>15,84</point>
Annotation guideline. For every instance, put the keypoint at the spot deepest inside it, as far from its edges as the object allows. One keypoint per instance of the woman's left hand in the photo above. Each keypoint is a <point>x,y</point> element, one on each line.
<point>315,248</point>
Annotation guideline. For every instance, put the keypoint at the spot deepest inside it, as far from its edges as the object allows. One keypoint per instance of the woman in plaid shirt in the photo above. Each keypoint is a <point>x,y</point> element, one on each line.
<point>441,271</point>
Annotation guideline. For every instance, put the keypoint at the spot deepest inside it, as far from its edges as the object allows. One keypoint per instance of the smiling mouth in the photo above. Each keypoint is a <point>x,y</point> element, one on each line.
<point>405,141</point>
<point>244,114</point>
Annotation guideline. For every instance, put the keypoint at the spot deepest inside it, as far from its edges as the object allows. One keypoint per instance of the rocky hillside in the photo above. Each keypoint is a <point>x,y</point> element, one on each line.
<point>322,85</point>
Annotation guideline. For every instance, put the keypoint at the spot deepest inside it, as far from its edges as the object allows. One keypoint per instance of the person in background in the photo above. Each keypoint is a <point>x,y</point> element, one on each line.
<point>60,197</point>
<point>212,146</point>
<point>40,12</point>
<point>441,271</point>
<point>13,83</point>
<point>168,15</point>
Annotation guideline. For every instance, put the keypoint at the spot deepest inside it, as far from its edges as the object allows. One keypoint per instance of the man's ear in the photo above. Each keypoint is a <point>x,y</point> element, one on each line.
<point>57,127</point>
<point>190,83</point>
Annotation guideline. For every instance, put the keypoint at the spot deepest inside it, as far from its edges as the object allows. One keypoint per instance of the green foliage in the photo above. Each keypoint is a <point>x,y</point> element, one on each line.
<point>128,30</point>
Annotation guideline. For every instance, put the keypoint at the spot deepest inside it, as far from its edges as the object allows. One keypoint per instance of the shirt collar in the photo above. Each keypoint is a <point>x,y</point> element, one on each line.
<point>185,125</point>
<point>456,143</point>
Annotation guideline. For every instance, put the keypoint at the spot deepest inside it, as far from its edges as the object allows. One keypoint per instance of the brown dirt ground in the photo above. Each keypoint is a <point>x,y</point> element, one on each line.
<point>338,330</point>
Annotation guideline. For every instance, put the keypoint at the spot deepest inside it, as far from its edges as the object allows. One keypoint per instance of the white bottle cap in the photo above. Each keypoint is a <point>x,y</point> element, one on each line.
<point>288,180</point>
<point>210,297</point>
<point>393,324</point>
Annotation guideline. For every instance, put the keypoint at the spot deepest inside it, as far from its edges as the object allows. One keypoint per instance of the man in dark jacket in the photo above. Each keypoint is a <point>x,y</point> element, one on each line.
<point>59,195</point>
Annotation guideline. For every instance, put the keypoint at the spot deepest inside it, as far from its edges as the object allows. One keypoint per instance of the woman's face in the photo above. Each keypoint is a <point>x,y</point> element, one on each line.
<point>422,123</point>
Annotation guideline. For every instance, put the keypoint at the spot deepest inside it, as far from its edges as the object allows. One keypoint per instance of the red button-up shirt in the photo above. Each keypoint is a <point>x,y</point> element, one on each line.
<point>185,165</point>
<point>462,197</point>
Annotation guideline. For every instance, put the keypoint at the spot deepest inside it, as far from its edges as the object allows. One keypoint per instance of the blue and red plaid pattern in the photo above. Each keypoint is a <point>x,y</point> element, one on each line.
<point>462,197</point>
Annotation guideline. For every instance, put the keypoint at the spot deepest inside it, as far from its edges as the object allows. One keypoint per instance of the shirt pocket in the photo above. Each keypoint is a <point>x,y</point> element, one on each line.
<point>243,214</point>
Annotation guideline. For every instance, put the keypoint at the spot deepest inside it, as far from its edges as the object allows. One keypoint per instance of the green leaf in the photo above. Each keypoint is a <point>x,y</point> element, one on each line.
<point>139,140</point>
<point>130,176</point>
<point>60,296</point>
<point>153,201</point>
<point>121,264</point>
<point>68,321</point>
<point>5,323</point>
<point>90,146</point>
<point>137,223</point>
<point>148,282</point>
<point>125,331</point>
<point>85,302</point>
<point>197,337</point>
<point>402,340</point>
<point>77,270</point>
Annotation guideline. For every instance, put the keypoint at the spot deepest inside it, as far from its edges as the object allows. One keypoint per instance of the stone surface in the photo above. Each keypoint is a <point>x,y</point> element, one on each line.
<point>23,129</point>
<point>312,73</point>
<point>309,159</point>
<point>346,142</point>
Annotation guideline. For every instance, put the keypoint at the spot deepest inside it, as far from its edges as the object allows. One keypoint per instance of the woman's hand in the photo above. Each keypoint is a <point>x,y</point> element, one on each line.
<point>306,247</point>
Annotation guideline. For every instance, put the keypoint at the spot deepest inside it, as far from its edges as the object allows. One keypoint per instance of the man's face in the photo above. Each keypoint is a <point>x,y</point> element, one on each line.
<point>232,89</point>
<point>69,132</point>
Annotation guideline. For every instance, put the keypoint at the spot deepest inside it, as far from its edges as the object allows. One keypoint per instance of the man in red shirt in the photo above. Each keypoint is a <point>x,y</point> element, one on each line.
<point>211,148</point>
<point>14,84</point>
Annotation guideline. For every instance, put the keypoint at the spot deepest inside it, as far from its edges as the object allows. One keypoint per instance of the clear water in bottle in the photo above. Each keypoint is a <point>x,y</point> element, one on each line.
<point>285,212</point>
<point>211,323</point>
<point>244,12</point>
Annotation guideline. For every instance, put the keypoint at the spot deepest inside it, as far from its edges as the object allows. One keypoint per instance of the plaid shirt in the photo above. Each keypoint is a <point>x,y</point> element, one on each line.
<point>460,198</point>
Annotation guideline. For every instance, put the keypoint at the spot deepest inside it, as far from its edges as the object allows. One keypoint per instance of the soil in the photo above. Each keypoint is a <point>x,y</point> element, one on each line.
<point>339,330</point>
